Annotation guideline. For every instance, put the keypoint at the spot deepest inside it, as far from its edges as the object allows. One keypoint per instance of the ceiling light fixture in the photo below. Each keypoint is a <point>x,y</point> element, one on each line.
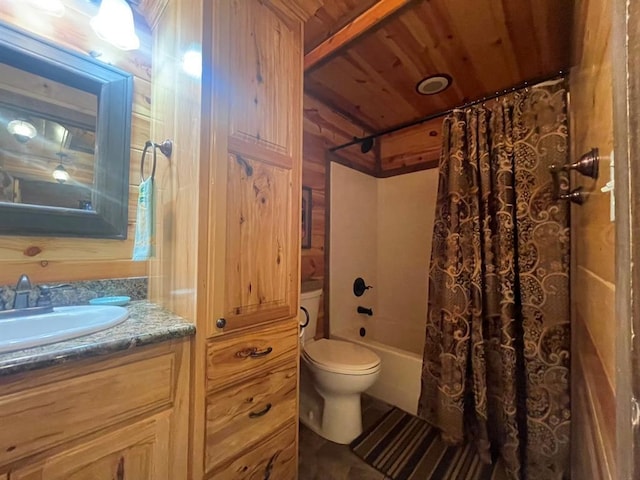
<point>51,7</point>
<point>60,174</point>
<point>22,130</point>
<point>114,24</point>
<point>434,84</point>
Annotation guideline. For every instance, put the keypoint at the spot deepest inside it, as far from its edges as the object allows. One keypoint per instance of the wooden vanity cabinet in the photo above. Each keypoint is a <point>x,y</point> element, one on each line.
<point>120,417</point>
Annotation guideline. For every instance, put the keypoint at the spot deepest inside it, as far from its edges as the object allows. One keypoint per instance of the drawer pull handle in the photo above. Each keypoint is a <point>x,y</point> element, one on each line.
<point>264,353</point>
<point>253,353</point>
<point>262,412</point>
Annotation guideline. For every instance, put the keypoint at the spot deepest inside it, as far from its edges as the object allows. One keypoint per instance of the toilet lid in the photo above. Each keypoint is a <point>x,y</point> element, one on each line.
<point>336,354</point>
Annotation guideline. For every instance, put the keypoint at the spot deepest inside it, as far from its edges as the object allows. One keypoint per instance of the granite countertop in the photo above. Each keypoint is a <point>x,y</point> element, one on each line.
<point>147,323</point>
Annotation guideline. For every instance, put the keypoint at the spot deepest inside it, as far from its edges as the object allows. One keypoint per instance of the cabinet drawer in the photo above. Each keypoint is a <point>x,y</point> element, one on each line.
<point>241,416</point>
<point>46,415</point>
<point>273,459</point>
<point>238,357</point>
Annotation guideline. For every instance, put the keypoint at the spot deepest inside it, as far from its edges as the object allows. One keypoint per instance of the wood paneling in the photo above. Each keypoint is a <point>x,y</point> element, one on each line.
<point>594,332</point>
<point>626,72</point>
<point>176,116</point>
<point>68,259</point>
<point>411,148</point>
<point>177,26</point>
<point>331,17</point>
<point>594,412</point>
<point>352,30</point>
<point>325,128</point>
<point>485,46</point>
<point>297,9</point>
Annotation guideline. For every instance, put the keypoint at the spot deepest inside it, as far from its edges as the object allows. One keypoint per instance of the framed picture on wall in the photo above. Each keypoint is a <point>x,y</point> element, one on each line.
<point>306,217</point>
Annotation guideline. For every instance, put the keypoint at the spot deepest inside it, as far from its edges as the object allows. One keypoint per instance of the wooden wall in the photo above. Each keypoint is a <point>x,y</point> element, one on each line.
<point>593,250</point>
<point>176,114</point>
<point>411,149</point>
<point>50,259</point>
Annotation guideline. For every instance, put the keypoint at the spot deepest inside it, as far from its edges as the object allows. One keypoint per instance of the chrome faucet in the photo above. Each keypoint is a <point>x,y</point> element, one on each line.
<point>21,307</point>
<point>23,290</point>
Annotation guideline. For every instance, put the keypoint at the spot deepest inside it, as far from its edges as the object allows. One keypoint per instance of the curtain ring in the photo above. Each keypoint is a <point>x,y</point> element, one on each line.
<point>148,144</point>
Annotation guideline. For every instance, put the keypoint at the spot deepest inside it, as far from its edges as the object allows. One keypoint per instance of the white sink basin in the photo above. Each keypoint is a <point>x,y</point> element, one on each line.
<point>61,324</point>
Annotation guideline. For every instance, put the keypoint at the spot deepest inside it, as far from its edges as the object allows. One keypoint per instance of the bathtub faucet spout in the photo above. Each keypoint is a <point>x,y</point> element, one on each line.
<point>367,311</point>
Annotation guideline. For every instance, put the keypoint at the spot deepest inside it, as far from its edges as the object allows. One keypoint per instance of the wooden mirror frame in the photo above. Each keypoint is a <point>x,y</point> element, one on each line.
<point>114,89</point>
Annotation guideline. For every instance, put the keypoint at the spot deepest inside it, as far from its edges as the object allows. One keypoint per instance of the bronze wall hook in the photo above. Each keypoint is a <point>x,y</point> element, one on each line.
<point>586,165</point>
<point>577,196</point>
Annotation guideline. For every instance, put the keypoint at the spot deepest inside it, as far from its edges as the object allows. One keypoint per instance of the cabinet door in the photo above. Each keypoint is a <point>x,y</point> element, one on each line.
<point>139,451</point>
<point>260,251</point>
<point>255,163</point>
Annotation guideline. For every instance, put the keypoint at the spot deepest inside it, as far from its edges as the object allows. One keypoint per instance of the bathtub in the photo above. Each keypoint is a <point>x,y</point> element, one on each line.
<point>401,355</point>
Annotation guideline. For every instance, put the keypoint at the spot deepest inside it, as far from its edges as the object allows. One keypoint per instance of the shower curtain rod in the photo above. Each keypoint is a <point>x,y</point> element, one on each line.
<point>560,75</point>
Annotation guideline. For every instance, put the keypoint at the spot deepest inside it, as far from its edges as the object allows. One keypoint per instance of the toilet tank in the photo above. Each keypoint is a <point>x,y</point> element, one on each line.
<point>310,299</point>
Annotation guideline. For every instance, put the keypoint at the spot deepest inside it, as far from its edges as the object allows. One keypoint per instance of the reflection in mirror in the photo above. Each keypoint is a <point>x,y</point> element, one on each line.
<point>47,141</point>
<point>65,126</point>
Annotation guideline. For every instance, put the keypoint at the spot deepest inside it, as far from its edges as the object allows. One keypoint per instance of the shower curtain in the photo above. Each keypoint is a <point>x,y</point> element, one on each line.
<point>496,357</point>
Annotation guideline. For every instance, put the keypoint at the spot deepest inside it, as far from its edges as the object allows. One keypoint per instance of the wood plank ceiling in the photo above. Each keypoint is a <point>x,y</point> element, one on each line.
<point>484,45</point>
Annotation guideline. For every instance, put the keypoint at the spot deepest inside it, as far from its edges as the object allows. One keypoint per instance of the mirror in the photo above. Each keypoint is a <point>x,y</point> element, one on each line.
<point>65,122</point>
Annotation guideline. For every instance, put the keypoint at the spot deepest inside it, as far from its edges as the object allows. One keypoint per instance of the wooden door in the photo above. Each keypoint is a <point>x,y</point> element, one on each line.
<point>255,163</point>
<point>139,452</point>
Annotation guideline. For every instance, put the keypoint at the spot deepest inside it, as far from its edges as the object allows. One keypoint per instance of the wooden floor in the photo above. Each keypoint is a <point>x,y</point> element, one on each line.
<point>321,459</point>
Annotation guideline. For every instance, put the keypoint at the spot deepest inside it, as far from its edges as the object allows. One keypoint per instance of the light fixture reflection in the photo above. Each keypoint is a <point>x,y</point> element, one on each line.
<point>22,130</point>
<point>60,174</point>
<point>114,24</point>
<point>51,7</point>
<point>192,63</point>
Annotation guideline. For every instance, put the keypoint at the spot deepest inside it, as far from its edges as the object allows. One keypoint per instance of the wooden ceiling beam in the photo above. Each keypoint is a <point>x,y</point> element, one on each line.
<point>352,30</point>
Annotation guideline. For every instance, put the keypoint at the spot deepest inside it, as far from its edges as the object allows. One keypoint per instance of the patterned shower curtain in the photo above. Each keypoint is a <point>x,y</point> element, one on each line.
<point>496,357</point>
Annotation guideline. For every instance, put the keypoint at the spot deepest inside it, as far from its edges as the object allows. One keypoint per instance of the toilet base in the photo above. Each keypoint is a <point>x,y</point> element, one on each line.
<point>338,419</point>
<point>341,418</point>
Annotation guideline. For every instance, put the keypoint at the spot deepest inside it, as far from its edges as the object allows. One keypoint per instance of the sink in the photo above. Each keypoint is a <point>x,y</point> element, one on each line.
<point>63,323</point>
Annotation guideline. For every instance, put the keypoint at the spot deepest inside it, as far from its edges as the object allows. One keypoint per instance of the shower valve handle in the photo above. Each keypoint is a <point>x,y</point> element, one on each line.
<point>365,310</point>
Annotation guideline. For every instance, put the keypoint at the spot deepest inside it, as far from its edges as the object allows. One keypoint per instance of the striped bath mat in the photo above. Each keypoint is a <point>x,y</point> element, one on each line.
<point>405,447</point>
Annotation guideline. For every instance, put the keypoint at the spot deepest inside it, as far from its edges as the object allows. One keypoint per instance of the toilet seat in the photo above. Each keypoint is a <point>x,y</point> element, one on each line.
<point>341,357</point>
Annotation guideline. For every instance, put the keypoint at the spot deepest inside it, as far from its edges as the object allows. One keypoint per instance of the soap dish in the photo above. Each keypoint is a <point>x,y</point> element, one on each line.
<point>110,300</point>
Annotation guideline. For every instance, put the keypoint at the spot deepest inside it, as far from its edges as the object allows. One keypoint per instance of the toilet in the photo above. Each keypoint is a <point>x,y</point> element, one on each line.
<point>333,374</point>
